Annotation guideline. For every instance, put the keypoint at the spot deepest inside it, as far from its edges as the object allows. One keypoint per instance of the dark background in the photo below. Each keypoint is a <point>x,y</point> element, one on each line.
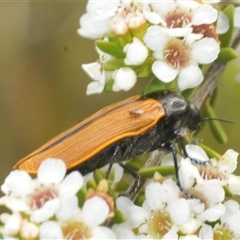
<point>42,85</point>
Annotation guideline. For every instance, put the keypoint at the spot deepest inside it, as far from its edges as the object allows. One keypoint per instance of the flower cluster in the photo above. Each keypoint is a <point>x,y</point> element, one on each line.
<point>49,207</point>
<point>167,213</point>
<point>149,39</point>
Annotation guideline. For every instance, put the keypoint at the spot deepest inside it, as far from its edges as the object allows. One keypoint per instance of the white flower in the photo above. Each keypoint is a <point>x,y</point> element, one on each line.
<point>124,79</point>
<point>136,52</point>
<point>179,16</point>
<point>96,22</point>
<point>96,72</point>
<point>83,222</point>
<point>176,57</point>
<point>41,198</point>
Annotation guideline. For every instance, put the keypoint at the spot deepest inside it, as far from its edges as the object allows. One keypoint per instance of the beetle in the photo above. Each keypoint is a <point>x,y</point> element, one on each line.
<point>121,131</point>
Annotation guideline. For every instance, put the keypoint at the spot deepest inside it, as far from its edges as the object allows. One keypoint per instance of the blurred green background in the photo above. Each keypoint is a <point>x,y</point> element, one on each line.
<point>42,85</point>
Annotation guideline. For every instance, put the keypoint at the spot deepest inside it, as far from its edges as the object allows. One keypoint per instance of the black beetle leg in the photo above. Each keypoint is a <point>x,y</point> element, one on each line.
<point>117,150</point>
<point>174,152</point>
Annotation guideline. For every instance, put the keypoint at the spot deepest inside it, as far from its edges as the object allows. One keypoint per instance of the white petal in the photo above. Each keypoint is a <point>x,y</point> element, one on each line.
<point>29,230</point>
<point>135,214</point>
<point>136,52</point>
<point>167,160</point>
<point>222,23</point>
<point>179,211</point>
<point>103,9</point>
<point>231,208</point>
<point>213,192</point>
<point>228,162</point>
<point>205,14</point>
<point>94,70</point>
<point>155,198</point>
<point>164,72</point>
<point>196,152</point>
<point>190,77</point>
<point>179,32</point>
<point>94,87</point>
<point>162,7</point>
<point>68,208</point>
<point>102,233</point>
<point>188,173</point>
<point>123,231</point>
<point>205,50</point>
<point>51,171</point>
<point>95,211</point>
<point>214,213</point>
<point>13,224</point>
<point>206,232</point>
<point>14,204</point>
<point>118,172</point>
<point>156,38</point>
<point>50,230</point>
<point>234,184</point>
<point>190,226</point>
<point>71,184</point>
<point>93,28</point>
<point>171,190</point>
<point>152,17</point>
<point>237,17</point>
<point>125,78</point>
<point>171,234</point>
<point>18,183</point>
<point>233,223</point>
<point>46,212</point>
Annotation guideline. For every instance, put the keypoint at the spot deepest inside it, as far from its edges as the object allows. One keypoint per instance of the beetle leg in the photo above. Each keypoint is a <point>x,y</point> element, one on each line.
<point>135,183</point>
<point>117,151</point>
<point>174,152</point>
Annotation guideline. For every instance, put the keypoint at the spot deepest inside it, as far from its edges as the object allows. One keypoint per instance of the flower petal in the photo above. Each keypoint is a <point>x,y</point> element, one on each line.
<point>95,211</point>
<point>205,14</point>
<point>68,208</point>
<point>135,214</point>
<point>222,23</point>
<point>102,233</point>
<point>179,211</point>
<point>18,183</point>
<point>155,199</point>
<point>51,171</point>
<point>46,212</point>
<point>190,77</point>
<point>214,213</point>
<point>125,78</point>
<point>164,72</point>
<point>71,184</point>
<point>50,230</point>
<point>205,50</point>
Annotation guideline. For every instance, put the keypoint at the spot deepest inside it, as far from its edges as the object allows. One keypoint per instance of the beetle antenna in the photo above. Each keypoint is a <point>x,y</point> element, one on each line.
<point>217,119</point>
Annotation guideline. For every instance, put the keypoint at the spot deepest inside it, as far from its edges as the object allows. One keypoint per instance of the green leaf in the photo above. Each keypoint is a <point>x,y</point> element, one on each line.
<point>149,171</point>
<point>81,195</point>
<point>98,175</point>
<point>156,85</point>
<point>112,65</point>
<point>227,54</point>
<point>210,152</point>
<point>119,217</point>
<point>110,48</point>
<point>225,38</point>
<point>215,126</point>
<point>108,85</point>
<point>91,184</point>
